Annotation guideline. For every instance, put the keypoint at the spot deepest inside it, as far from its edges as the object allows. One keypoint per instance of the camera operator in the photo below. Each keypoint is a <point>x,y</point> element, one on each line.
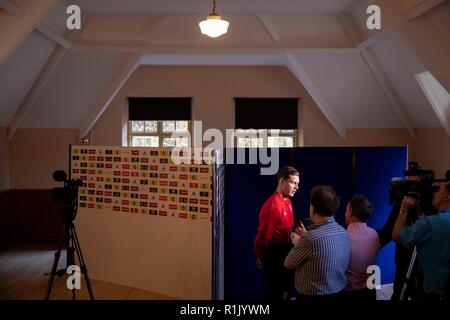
<point>402,254</point>
<point>431,236</point>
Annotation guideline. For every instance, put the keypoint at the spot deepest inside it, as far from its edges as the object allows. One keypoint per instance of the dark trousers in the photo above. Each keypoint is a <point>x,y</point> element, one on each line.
<point>279,280</point>
<point>301,298</point>
<point>365,294</point>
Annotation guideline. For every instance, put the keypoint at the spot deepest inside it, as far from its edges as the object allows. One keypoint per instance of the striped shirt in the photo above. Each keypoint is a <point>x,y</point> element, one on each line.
<point>321,258</point>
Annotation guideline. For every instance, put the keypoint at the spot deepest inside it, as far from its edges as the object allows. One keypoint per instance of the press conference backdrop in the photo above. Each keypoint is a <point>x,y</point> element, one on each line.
<point>362,170</point>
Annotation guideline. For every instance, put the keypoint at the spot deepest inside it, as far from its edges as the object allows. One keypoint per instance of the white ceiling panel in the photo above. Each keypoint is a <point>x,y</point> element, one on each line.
<point>73,89</point>
<point>313,28</point>
<point>350,89</point>
<point>394,59</point>
<point>19,72</point>
<point>56,18</point>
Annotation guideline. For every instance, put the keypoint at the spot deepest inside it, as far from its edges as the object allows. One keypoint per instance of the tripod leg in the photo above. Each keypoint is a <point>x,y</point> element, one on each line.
<point>71,257</point>
<point>55,264</point>
<point>408,274</point>
<point>82,264</point>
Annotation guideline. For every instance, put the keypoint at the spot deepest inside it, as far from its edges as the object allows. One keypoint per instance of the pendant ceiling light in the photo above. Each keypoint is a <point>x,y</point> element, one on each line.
<point>213,26</point>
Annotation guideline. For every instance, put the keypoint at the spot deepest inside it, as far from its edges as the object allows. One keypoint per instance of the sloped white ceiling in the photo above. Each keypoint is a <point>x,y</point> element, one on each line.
<point>262,32</point>
<point>308,28</point>
<point>19,72</point>
<point>350,89</point>
<point>56,18</point>
<point>393,58</point>
<point>73,89</point>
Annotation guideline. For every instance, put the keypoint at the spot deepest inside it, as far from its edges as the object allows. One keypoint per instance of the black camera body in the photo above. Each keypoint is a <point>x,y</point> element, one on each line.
<point>421,188</point>
<point>67,195</point>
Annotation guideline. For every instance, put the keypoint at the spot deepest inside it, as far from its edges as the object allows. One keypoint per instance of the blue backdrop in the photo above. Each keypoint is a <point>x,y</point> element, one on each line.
<point>349,170</point>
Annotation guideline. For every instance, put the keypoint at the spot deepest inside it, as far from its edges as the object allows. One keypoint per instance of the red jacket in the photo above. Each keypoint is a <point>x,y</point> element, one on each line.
<point>275,222</point>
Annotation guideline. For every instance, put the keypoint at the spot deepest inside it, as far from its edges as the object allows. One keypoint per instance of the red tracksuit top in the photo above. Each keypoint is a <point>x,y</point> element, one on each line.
<point>275,222</point>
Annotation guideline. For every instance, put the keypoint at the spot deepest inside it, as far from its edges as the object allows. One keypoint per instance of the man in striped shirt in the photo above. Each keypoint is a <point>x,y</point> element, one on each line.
<point>321,254</point>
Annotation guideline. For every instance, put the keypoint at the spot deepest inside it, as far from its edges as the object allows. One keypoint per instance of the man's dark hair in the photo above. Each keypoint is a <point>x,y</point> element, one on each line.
<point>324,200</point>
<point>287,171</point>
<point>362,208</point>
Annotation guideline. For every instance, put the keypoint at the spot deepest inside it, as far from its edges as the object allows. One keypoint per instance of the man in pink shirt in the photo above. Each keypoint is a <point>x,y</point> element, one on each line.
<point>364,246</point>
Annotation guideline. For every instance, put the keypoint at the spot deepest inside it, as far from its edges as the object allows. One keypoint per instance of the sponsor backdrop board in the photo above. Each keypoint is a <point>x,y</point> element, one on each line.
<point>145,221</point>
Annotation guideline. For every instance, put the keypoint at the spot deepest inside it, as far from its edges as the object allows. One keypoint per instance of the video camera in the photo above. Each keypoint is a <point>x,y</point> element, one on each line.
<point>67,195</point>
<point>418,185</point>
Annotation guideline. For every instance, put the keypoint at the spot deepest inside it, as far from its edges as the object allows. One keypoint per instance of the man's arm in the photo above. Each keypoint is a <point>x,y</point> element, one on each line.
<point>385,234</point>
<point>289,264</point>
<point>298,254</point>
<point>407,204</point>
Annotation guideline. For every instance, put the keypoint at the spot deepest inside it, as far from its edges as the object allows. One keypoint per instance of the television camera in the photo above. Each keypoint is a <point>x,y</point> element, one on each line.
<point>419,184</point>
<point>68,197</point>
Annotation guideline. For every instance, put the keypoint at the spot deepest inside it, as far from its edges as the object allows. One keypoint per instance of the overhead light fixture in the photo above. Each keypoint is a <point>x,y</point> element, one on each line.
<point>213,26</point>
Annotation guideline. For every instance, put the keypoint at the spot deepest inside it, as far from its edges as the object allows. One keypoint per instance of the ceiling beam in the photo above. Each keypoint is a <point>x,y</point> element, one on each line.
<point>422,8</point>
<point>387,89</point>
<point>270,28</point>
<point>421,36</point>
<point>128,64</point>
<point>376,69</point>
<point>438,97</point>
<point>15,29</point>
<point>143,47</point>
<point>50,33</point>
<point>351,28</point>
<point>357,36</point>
<point>294,65</point>
<point>44,76</point>
<point>378,37</point>
<point>34,93</point>
<point>11,7</point>
<point>156,28</point>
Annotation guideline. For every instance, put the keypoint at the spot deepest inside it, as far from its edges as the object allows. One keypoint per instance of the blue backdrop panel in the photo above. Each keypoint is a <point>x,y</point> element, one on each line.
<point>348,170</point>
<point>323,166</point>
<point>375,167</point>
<point>245,192</point>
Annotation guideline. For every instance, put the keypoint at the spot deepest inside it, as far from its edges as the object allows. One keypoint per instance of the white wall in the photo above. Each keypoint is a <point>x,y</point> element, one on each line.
<point>37,153</point>
<point>212,88</point>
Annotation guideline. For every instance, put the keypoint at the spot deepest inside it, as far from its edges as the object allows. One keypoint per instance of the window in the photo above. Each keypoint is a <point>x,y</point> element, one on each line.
<point>266,122</point>
<point>158,133</point>
<point>152,121</point>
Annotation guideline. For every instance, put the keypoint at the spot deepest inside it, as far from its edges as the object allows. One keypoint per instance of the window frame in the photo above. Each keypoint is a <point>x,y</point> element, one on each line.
<point>158,133</point>
<point>281,133</point>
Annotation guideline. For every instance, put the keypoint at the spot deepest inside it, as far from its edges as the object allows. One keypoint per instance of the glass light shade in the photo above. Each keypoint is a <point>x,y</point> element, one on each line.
<point>214,26</point>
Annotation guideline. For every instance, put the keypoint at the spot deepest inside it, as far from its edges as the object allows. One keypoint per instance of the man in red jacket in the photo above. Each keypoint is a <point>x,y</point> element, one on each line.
<point>273,241</point>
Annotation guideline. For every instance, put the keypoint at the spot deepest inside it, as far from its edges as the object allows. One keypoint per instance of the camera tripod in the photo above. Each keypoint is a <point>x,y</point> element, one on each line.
<point>406,290</point>
<point>69,238</point>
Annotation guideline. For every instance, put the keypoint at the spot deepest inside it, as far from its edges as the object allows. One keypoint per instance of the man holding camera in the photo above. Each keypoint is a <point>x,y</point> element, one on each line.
<point>431,236</point>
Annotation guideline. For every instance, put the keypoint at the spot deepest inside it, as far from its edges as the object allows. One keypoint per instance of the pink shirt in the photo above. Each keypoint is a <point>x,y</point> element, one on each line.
<point>364,245</point>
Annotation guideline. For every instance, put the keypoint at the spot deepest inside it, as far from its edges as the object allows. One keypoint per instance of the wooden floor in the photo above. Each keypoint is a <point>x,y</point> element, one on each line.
<point>23,276</point>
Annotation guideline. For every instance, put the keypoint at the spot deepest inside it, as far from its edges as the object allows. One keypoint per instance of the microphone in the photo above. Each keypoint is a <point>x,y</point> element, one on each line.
<point>59,175</point>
